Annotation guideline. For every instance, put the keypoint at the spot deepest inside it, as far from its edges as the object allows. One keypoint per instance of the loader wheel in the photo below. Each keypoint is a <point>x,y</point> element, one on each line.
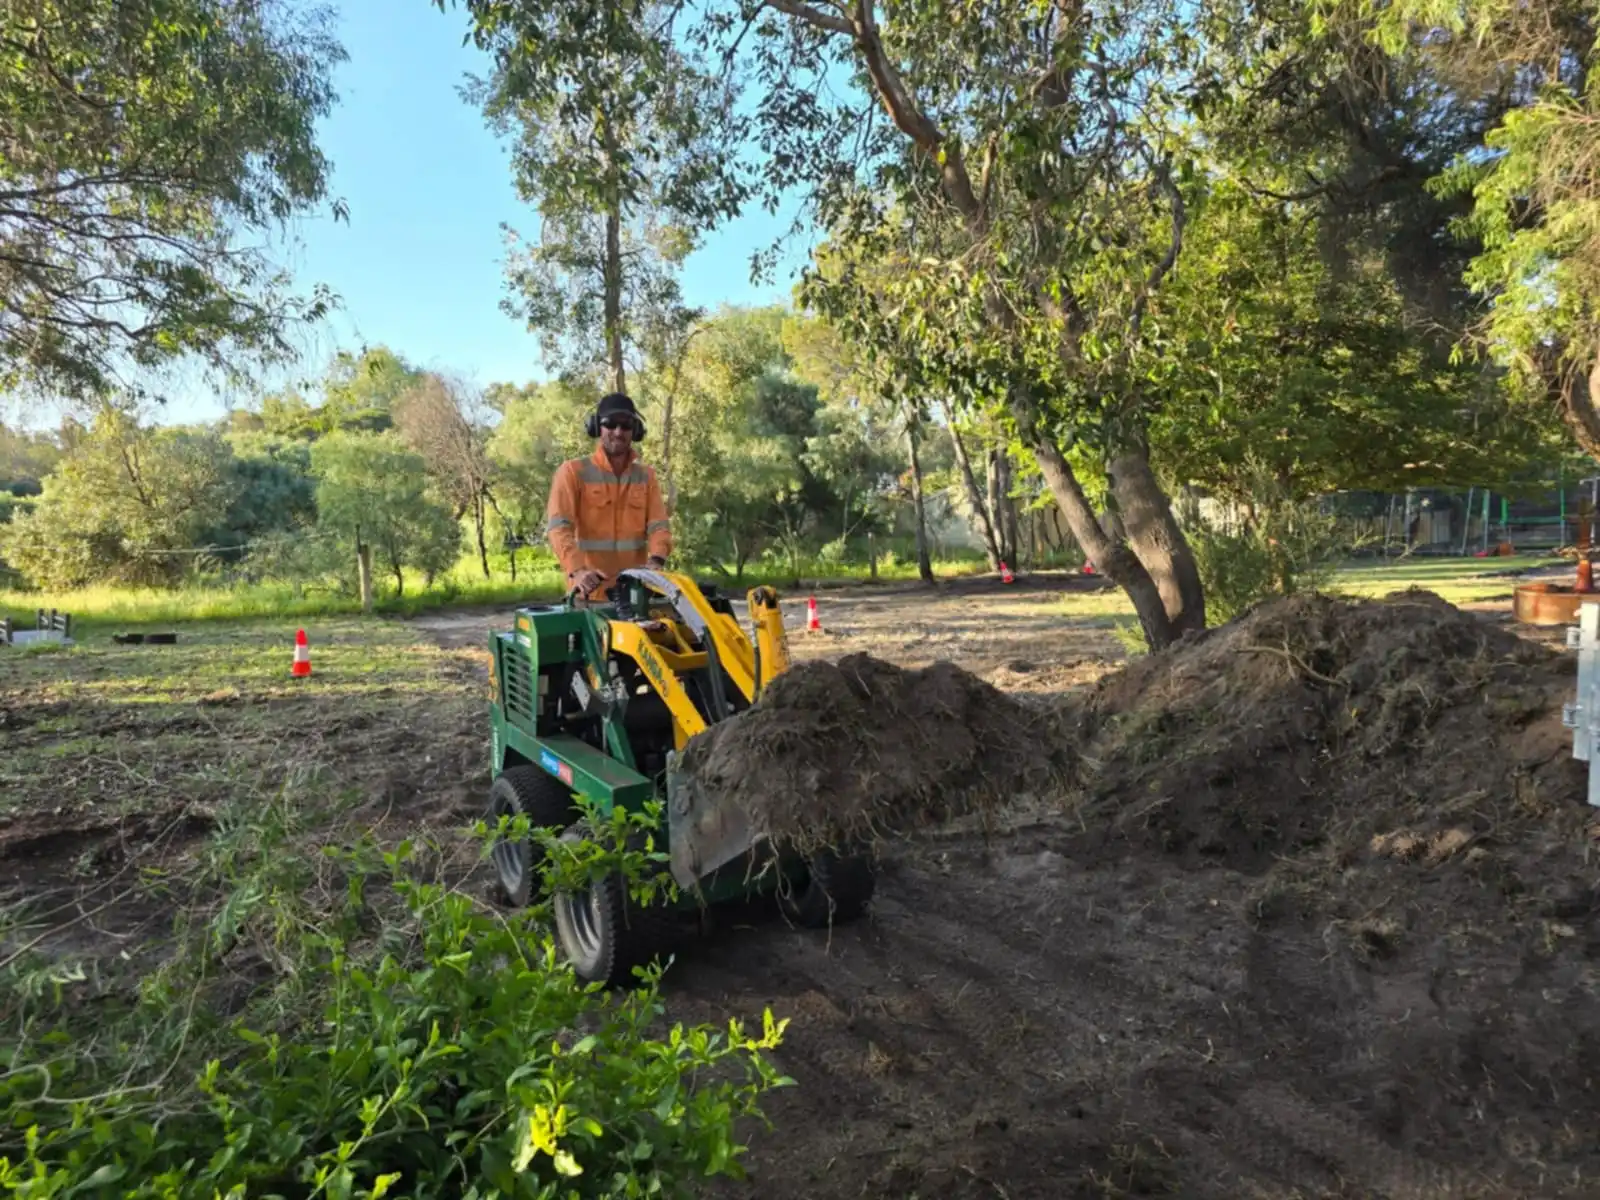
<point>838,891</point>
<point>545,801</point>
<point>603,931</point>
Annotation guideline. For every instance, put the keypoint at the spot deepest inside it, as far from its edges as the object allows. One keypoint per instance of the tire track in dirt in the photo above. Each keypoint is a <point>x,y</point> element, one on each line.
<point>1106,1034</point>
<point>954,1045</point>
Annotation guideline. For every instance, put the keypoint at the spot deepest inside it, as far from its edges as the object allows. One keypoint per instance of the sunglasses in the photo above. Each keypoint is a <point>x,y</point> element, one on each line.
<point>617,423</point>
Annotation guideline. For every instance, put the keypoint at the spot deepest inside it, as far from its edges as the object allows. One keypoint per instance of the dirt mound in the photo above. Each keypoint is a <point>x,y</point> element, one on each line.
<point>1316,721</point>
<point>1393,780</point>
<point>1321,918</point>
<point>860,749</point>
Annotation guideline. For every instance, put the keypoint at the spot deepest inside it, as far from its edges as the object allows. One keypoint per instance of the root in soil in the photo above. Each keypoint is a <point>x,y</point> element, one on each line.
<point>854,751</point>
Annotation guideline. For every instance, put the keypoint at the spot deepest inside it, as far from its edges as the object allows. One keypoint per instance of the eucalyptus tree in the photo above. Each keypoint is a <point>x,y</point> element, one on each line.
<point>1025,168</point>
<point>141,143</point>
<point>623,141</point>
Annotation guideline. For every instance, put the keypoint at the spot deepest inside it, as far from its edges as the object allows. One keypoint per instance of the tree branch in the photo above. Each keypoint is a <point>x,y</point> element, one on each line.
<point>1159,271</point>
<point>815,17</point>
<point>901,106</point>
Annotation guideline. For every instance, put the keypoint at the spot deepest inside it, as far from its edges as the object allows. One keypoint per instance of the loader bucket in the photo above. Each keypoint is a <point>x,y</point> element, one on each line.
<point>702,834</point>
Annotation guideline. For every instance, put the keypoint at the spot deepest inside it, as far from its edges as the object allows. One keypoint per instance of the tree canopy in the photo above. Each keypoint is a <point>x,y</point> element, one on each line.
<point>141,139</point>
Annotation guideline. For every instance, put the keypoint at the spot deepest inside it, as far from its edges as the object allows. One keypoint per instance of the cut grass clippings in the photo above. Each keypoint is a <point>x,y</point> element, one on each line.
<point>99,732</point>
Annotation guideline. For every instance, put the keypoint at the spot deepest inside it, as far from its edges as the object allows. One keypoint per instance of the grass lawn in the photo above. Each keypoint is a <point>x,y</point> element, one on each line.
<point>99,732</point>
<point>103,609</point>
<point>1458,580</point>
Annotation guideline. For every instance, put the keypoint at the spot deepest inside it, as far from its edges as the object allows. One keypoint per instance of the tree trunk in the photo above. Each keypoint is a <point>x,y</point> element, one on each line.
<point>924,561</point>
<point>399,578</point>
<point>974,496</point>
<point>1112,558</point>
<point>611,268</point>
<point>511,553</point>
<point>613,299</point>
<point>1006,514</point>
<point>480,518</point>
<point>1111,522</point>
<point>1154,536</point>
<point>1579,397</point>
<point>992,481</point>
<point>669,488</point>
<point>364,574</point>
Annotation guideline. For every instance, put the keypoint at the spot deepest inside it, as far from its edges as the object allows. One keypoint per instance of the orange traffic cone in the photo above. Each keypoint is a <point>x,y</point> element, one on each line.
<point>1005,573</point>
<point>811,615</point>
<point>302,654</point>
<point>1088,568</point>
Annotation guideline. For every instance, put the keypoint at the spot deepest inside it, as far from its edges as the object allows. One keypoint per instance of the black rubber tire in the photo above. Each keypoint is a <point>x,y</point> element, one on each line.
<point>605,934</point>
<point>837,890</point>
<point>546,801</point>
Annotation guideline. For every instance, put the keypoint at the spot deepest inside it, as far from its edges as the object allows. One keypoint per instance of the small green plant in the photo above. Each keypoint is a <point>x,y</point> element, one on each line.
<point>410,1041</point>
<point>1281,545</point>
<point>1130,636</point>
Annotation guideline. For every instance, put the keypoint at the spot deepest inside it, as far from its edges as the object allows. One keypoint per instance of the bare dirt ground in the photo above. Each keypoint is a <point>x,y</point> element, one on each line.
<point>1179,999</point>
<point>1018,637</point>
<point>1199,1004</point>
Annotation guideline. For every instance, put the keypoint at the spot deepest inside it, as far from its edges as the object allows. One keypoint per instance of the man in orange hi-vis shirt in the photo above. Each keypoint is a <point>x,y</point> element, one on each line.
<point>606,513</point>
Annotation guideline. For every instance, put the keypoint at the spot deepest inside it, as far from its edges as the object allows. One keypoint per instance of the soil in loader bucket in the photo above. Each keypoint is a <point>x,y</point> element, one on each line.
<point>845,753</point>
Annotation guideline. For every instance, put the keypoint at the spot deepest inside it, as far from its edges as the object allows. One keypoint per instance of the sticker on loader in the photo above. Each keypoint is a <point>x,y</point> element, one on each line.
<point>556,767</point>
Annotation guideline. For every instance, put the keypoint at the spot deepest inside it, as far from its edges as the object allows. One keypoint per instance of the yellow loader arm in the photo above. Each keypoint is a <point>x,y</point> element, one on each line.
<point>772,643</point>
<point>702,833</point>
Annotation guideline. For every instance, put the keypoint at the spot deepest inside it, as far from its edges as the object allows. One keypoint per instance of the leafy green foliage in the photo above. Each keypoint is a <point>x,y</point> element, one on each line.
<point>761,463</point>
<point>270,488</point>
<point>359,393</point>
<point>1322,376</point>
<point>540,427</point>
<point>144,136</point>
<point>409,1043</point>
<point>623,142</point>
<point>1522,184</point>
<point>373,491</point>
<point>127,504</point>
<point>1282,545</point>
<point>25,459</point>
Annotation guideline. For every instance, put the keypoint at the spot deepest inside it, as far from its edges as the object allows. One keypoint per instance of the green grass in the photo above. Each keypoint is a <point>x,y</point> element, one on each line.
<point>98,731</point>
<point>1458,580</point>
<point>107,607</point>
<point>102,608</point>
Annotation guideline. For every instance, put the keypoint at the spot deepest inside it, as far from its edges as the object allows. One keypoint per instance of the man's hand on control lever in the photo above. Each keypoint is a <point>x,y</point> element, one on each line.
<point>586,580</point>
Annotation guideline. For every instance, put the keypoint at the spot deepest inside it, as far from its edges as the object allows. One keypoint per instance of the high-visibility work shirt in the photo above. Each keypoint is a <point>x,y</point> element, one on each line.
<point>608,522</point>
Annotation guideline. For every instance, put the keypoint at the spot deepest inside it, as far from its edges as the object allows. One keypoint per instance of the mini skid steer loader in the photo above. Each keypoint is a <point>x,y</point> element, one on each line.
<point>599,699</point>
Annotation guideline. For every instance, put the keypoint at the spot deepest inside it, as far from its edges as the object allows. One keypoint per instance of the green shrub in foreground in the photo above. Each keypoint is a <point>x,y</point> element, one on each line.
<point>417,1044</point>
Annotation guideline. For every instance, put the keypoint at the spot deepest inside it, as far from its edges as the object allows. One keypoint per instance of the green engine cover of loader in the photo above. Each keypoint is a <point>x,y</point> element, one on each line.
<point>526,663</point>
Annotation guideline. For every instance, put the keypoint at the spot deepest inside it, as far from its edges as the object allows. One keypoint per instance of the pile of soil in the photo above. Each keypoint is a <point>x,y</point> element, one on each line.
<point>1393,782</point>
<point>1315,723</point>
<point>846,752</point>
<point>1320,917</point>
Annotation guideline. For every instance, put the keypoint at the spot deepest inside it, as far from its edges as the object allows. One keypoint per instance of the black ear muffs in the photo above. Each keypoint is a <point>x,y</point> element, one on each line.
<point>591,426</point>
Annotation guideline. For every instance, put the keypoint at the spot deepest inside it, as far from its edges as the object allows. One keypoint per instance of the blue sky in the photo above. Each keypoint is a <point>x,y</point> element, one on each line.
<point>419,265</point>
